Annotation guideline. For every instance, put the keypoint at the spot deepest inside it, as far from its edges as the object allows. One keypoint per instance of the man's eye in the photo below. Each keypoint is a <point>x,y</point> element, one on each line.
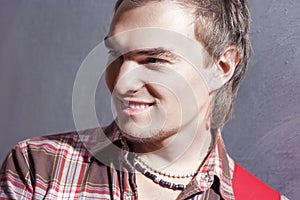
<point>154,60</point>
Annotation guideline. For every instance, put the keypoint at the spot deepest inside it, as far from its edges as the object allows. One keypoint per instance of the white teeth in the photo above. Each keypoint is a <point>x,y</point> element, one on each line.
<point>138,106</point>
<point>132,106</point>
<point>135,105</point>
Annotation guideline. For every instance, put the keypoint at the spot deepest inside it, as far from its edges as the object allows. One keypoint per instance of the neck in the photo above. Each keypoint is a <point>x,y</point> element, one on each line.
<point>181,153</point>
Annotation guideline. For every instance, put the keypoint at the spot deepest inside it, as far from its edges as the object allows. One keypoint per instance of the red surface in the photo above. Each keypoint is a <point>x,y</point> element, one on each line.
<point>248,187</point>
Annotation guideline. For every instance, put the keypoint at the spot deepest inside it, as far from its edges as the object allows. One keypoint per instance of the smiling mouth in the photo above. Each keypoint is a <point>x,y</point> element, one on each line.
<point>133,107</point>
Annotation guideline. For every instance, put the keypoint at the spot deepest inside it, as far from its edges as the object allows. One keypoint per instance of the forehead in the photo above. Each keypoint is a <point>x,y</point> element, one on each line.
<point>166,15</point>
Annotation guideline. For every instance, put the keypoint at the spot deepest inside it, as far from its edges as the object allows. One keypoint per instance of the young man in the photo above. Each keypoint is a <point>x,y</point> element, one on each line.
<point>174,71</point>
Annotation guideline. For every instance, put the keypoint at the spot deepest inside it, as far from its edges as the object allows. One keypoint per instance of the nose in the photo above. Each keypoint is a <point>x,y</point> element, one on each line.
<point>127,78</point>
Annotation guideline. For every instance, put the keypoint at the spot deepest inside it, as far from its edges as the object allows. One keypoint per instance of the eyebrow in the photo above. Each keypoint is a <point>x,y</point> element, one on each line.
<point>159,51</point>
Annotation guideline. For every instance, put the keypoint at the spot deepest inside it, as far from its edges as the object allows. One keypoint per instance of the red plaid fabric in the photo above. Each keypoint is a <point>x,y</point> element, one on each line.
<point>65,166</point>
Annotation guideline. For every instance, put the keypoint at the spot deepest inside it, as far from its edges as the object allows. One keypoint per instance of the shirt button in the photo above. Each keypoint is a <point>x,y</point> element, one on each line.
<point>207,178</point>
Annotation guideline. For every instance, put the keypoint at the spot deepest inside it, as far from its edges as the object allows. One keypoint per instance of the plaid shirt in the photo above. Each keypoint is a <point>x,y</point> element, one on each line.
<point>89,166</point>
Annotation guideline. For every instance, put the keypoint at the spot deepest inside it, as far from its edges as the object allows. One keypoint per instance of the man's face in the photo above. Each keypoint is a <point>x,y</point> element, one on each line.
<point>156,92</point>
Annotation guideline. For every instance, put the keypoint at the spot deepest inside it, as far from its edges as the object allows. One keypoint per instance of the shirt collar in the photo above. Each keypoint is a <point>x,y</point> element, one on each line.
<point>217,164</point>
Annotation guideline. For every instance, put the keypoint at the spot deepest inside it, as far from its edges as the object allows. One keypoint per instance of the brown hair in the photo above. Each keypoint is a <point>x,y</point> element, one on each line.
<point>218,25</point>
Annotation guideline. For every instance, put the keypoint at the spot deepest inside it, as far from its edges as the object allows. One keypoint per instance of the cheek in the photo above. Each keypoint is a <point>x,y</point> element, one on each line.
<point>170,97</point>
<point>197,84</point>
<point>187,93</point>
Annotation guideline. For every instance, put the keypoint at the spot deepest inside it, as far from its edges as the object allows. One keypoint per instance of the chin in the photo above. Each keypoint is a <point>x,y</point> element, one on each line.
<point>148,136</point>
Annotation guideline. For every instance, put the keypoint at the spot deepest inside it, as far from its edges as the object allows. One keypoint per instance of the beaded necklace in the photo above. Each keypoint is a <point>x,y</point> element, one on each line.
<point>163,173</point>
<point>157,180</point>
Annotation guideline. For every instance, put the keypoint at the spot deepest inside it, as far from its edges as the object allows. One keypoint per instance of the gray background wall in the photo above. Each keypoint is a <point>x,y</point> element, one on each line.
<point>42,44</point>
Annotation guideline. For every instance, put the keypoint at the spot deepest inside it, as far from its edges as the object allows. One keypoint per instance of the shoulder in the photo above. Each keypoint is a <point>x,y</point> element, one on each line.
<point>68,144</point>
<point>40,153</point>
<point>38,165</point>
<point>50,144</point>
<point>79,145</point>
<point>32,162</point>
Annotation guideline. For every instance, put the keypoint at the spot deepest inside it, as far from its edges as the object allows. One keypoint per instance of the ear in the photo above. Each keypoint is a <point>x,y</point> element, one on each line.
<point>227,63</point>
<point>223,69</point>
